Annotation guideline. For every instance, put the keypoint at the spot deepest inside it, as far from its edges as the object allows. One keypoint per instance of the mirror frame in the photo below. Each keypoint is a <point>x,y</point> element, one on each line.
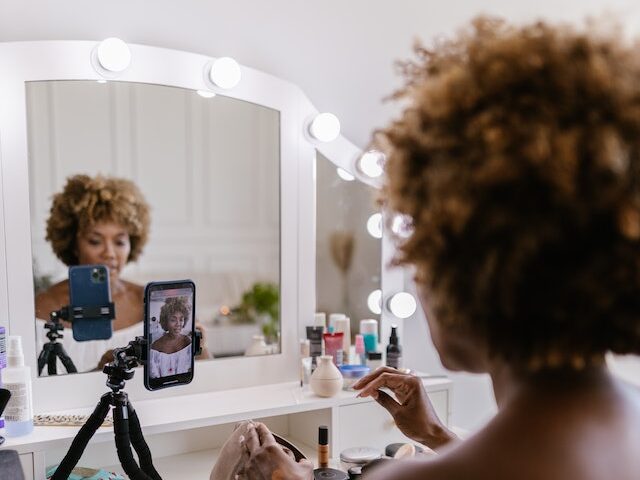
<point>21,62</point>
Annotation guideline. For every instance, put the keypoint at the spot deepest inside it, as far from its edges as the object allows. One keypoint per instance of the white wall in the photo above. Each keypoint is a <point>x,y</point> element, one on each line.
<point>341,52</point>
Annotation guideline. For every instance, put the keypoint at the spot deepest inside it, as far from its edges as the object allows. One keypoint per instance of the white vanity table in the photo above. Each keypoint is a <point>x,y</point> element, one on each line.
<point>185,426</point>
<point>186,432</point>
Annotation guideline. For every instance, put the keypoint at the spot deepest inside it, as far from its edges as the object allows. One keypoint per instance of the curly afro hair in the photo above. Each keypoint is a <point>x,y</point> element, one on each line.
<point>517,164</point>
<point>85,201</point>
<point>174,305</point>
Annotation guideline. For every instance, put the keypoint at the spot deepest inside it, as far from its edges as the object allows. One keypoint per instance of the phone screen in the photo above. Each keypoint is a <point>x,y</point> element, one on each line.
<point>169,330</point>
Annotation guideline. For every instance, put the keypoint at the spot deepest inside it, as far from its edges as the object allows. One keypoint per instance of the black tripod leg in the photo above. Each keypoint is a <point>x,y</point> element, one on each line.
<point>123,445</point>
<point>82,438</point>
<point>43,358</point>
<point>140,445</point>
<point>52,367</point>
<point>65,359</point>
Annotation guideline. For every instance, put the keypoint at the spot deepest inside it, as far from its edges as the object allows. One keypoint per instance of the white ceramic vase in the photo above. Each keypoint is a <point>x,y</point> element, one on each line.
<point>326,379</point>
<point>257,346</point>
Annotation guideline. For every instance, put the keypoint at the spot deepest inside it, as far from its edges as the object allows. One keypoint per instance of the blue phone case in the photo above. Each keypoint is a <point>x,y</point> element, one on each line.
<point>89,287</point>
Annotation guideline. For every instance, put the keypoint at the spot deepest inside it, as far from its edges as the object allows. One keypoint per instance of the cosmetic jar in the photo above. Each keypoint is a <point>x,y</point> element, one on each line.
<point>358,456</point>
<point>329,474</point>
<point>351,374</point>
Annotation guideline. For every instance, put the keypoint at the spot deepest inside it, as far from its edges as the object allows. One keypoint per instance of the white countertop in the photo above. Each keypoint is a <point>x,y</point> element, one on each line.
<point>203,409</point>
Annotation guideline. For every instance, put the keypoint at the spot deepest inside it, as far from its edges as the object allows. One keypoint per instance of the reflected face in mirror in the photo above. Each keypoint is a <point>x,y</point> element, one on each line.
<point>209,171</point>
<point>105,243</point>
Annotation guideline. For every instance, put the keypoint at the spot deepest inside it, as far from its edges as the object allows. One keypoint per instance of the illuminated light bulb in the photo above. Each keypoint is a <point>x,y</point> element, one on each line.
<point>102,81</point>
<point>113,55</point>
<point>325,127</point>
<point>225,72</point>
<point>374,225</point>
<point>374,302</point>
<point>402,305</point>
<point>206,93</point>
<point>344,175</point>
<point>371,163</point>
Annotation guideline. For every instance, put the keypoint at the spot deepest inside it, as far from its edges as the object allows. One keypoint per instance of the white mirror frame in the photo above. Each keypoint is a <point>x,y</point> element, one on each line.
<point>21,62</point>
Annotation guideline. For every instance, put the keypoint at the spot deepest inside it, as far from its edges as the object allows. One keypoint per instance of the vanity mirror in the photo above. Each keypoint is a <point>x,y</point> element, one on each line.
<point>209,169</point>
<point>119,125</point>
<point>348,245</point>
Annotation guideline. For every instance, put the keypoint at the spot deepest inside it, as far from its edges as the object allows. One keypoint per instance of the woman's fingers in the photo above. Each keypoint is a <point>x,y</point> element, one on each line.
<point>388,380</point>
<point>387,402</point>
<point>265,436</point>
<point>364,381</point>
<point>251,439</point>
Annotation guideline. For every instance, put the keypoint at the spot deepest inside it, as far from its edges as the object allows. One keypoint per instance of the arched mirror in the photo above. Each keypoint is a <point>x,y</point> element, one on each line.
<point>208,167</point>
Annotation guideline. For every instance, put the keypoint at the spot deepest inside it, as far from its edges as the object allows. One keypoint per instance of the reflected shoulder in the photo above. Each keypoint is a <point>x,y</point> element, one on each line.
<point>55,297</point>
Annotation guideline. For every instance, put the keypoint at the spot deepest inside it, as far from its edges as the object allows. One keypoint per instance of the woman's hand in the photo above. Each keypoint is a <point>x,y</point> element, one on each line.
<point>414,415</point>
<point>204,353</point>
<point>267,459</point>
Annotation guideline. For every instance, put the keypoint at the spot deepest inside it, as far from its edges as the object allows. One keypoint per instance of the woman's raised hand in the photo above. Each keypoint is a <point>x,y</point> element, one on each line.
<point>413,413</point>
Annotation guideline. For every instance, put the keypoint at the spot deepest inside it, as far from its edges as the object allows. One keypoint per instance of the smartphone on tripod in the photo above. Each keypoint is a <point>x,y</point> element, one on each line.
<point>89,289</point>
<point>169,329</point>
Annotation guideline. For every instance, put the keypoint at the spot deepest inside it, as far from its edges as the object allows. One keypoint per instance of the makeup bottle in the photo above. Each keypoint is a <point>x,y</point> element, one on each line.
<point>394,350</point>
<point>320,320</point>
<point>343,324</point>
<point>305,361</point>
<point>17,379</point>
<point>369,330</point>
<point>323,446</point>
<point>314,334</point>
<point>360,351</point>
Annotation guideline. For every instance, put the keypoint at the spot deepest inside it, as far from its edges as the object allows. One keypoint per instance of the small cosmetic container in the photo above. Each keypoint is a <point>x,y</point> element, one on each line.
<point>358,456</point>
<point>351,374</point>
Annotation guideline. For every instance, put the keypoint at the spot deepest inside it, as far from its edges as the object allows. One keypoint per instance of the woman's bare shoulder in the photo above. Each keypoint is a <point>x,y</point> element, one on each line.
<point>53,298</point>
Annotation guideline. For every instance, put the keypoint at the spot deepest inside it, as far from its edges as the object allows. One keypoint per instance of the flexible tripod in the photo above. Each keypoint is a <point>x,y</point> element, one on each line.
<point>126,425</point>
<point>52,349</point>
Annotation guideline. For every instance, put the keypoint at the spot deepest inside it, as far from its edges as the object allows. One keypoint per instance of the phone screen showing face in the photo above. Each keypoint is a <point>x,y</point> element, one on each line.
<point>169,331</point>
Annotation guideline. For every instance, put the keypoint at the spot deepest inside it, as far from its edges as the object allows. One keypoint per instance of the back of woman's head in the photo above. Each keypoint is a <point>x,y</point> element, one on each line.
<point>517,161</point>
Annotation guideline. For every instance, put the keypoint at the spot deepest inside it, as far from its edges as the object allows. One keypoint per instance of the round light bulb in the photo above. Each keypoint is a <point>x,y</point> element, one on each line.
<point>402,305</point>
<point>401,226</point>
<point>374,225</point>
<point>225,72</point>
<point>325,127</point>
<point>344,175</point>
<point>371,163</point>
<point>206,93</point>
<point>374,302</point>
<point>114,55</point>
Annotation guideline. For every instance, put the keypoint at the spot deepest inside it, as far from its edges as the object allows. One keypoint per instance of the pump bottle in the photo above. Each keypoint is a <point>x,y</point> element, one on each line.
<point>17,379</point>
<point>394,350</point>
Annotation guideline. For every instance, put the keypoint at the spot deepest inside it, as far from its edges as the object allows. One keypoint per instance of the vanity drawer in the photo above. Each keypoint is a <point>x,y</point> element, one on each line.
<point>368,424</point>
<point>26,460</point>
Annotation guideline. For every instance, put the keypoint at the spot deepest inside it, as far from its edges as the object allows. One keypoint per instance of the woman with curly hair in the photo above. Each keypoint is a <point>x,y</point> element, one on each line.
<point>98,220</point>
<point>516,163</point>
<point>171,354</point>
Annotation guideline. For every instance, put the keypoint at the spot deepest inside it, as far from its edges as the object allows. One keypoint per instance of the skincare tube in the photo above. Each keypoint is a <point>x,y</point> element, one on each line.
<point>332,320</point>
<point>344,325</point>
<point>320,320</point>
<point>333,347</point>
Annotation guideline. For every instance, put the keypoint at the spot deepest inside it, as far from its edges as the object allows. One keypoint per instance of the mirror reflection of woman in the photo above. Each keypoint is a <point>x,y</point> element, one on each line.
<point>171,353</point>
<point>97,220</point>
